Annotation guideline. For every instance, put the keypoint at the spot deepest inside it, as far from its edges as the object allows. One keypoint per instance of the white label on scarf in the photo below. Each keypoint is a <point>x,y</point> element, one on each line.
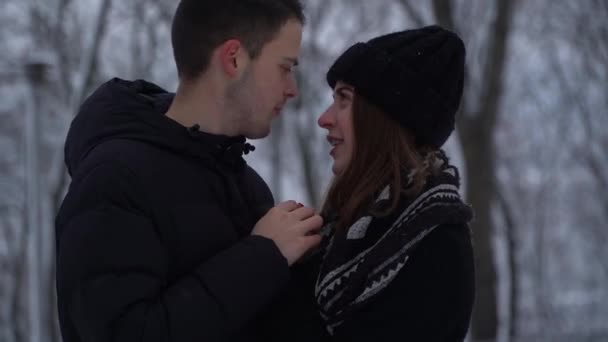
<point>359,228</point>
<point>384,195</point>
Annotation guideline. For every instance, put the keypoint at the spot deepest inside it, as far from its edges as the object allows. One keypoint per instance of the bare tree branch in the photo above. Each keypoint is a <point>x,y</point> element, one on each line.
<point>444,13</point>
<point>91,59</point>
<point>88,70</point>
<point>514,271</point>
<point>476,131</point>
<point>60,44</point>
<point>495,66</point>
<point>411,11</point>
<point>305,147</point>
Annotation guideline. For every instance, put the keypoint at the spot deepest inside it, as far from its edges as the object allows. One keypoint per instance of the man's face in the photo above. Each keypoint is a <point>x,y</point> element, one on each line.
<point>268,82</point>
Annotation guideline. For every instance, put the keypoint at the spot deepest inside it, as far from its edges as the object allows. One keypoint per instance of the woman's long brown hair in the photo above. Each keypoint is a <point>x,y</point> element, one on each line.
<point>383,154</point>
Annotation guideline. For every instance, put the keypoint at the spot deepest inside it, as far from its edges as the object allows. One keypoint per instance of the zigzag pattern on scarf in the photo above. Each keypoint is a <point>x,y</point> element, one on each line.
<point>341,289</point>
<point>440,192</point>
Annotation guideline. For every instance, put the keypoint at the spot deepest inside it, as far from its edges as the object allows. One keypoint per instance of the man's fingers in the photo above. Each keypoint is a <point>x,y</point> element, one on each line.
<point>311,241</point>
<point>302,213</point>
<point>288,205</point>
<point>311,224</point>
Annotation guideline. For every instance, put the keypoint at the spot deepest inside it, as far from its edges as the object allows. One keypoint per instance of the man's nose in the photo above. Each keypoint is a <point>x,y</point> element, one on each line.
<point>292,88</point>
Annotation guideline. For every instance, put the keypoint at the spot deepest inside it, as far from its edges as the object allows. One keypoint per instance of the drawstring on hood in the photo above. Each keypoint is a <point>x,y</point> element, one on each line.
<point>230,150</point>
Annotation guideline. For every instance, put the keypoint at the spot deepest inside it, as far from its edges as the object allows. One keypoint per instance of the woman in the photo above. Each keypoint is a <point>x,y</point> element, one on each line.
<point>396,263</point>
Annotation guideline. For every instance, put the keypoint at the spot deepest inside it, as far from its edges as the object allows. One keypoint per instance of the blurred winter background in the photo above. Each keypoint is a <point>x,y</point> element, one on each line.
<point>532,142</point>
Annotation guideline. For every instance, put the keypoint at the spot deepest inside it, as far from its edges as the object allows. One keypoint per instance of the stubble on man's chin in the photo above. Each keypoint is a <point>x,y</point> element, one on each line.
<point>247,115</point>
<point>253,131</point>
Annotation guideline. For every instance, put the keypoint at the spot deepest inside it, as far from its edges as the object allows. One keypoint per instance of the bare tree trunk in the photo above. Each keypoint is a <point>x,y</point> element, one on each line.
<point>10,236</point>
<point>310,177</point>
<point>35,73</point>
<point>514,271</point>
<point>480,187</point>
<point>60,44</point>
<point>444,13</point>
<point>541,289</point>
<point>305,129</point>
<point>47,252</point>
<point>305,146</point>
<point>91,59</point>
<point>75,95</point>
<point>415,15</point>
<point>476,131</point>
<point>588,35</point>
<point>276,162</point>
<point>143,39</point>
<point>18,302</point>
<point>137,7</point>
<point>87,73</point>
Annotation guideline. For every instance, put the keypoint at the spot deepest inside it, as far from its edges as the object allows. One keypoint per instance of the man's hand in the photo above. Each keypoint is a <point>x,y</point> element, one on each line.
<point>293,228</point>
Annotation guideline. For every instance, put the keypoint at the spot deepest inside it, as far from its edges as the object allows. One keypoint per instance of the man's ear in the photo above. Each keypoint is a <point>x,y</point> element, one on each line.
<point>231,54</point>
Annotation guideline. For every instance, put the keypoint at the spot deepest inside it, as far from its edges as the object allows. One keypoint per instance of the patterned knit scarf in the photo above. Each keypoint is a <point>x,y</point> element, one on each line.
<point>361,261</point>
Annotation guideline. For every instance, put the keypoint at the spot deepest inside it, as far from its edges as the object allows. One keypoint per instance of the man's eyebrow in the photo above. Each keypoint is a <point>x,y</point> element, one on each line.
<point>293,61</point>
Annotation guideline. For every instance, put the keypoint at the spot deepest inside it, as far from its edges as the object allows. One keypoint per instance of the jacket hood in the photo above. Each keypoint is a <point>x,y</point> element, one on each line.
<point>135,110</point>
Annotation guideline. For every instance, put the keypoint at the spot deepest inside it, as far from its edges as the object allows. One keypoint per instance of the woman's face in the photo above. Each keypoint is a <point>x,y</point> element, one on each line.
<point>338,121</point>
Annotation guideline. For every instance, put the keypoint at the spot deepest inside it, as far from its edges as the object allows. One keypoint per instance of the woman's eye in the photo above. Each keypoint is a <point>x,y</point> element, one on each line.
<point>342,100</point>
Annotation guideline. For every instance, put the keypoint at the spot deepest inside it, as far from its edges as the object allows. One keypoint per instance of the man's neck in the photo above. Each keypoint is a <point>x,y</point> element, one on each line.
<point>202,106</point>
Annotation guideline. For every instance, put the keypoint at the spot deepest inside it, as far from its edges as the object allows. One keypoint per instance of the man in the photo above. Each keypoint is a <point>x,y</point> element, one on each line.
<point>166,233</point>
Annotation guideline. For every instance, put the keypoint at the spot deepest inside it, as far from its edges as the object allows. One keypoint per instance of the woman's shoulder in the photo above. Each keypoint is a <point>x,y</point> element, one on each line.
<point>452,234</point>
<point>446,244</point>
<point>430,298</point>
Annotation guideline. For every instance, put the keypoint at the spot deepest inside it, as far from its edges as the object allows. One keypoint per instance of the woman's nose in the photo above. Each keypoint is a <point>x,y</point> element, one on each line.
<point>326,119</point>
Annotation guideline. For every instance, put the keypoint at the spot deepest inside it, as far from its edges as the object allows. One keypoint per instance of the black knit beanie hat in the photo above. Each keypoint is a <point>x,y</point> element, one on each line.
<point>415,76</point>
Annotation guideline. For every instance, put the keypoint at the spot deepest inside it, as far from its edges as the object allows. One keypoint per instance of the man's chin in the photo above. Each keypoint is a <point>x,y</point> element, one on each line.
<point>259,134</point>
